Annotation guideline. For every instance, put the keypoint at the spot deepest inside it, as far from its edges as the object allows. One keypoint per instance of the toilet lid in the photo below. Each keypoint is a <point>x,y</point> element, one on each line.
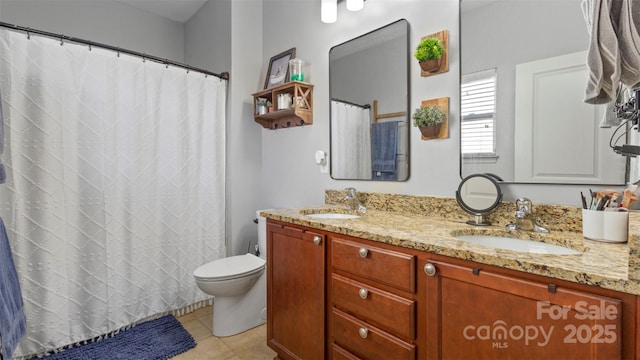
<point>230,267</point>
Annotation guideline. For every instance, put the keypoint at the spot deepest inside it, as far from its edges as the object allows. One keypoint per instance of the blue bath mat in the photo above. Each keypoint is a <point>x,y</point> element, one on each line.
<point>161,338</point>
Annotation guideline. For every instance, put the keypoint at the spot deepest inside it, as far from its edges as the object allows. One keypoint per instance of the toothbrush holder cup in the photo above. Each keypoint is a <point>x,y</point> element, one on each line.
<point>606,226</point>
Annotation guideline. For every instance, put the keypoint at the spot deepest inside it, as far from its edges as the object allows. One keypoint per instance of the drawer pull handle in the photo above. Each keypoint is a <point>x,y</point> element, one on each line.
<point>363,252</point>
<point>364,293</point>
<point>317,240</point>
<point>430,269</point>
<point>363,332</point>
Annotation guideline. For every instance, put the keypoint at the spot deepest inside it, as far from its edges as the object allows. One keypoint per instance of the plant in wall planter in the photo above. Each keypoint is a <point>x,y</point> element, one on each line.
<point>429,119</point>
<point>429,54</point>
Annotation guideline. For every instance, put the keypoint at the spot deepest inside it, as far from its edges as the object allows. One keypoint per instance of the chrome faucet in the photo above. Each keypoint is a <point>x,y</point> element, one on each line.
<point>353,202</point>
<point>524,218</point>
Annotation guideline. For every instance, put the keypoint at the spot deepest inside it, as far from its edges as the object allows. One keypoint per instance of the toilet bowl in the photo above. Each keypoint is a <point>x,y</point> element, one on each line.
<point>239,287</point>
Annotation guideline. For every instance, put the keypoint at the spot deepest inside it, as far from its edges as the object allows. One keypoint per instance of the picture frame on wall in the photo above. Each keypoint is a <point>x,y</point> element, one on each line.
<point>278,72</point>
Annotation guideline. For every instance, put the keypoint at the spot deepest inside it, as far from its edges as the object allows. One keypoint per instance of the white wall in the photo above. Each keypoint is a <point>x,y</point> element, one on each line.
<point>289,176</point>
<point>207,39</point>
<point>226,35</point>
<point>108,22</point>
<point>243,133</point>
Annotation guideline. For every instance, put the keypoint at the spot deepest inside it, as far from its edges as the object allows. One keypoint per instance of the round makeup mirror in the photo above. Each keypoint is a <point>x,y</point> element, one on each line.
<point>479,195</point>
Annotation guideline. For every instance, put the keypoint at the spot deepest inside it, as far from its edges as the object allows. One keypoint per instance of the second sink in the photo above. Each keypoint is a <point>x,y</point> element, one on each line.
<point>520,245</point>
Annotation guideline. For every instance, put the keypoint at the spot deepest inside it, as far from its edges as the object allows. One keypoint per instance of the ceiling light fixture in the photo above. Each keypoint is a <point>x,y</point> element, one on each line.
<point>355,5</point>
<point>329,11</point>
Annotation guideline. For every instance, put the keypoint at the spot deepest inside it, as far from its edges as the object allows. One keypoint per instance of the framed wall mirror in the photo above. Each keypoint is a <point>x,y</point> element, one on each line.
<point>369,91</point>
<point>522,88</point>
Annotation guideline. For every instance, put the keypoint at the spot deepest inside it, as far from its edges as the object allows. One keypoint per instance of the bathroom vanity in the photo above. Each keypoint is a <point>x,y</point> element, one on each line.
<point>394,285</point>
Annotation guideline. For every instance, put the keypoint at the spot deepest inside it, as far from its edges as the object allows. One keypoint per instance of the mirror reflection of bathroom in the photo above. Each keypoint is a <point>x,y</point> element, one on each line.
<point>368,85</point>
<point>479,195</point>
<point>533,90</point>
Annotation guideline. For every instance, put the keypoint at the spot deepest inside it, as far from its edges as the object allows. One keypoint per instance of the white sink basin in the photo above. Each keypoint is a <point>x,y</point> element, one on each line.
<point>519,245</point>
<point>332,216</point>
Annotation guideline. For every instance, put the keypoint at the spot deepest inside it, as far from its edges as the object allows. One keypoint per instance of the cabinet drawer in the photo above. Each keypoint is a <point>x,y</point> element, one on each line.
<point>391,312</point>
<point>338,353</point>
<point>388,267</point>
<point>367,341</point>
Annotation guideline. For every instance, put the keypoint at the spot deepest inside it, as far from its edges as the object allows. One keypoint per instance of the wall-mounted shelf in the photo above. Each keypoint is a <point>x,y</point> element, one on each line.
<point>300,113</point>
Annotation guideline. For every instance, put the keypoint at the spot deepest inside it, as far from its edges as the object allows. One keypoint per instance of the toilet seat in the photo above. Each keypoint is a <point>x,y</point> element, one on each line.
<point>232,267</point>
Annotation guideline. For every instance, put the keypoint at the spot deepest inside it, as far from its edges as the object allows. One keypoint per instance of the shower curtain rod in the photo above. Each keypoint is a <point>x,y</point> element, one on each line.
<point>366,106</point>
<point>29,31</point>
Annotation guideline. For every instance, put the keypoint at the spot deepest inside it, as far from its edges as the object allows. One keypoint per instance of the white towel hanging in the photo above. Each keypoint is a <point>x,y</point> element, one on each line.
<point>614,48</point>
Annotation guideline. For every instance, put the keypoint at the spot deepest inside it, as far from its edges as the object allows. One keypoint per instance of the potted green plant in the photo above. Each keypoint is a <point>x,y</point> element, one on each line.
<point>429,119</point>
<point>262,105</point>
<point>429,54</point>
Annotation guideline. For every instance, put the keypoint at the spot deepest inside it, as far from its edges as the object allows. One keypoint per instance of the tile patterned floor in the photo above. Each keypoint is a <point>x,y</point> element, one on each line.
<point>249,345</point>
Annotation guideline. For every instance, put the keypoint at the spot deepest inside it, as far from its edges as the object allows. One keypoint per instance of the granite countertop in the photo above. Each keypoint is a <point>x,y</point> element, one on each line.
<point>606,265</point>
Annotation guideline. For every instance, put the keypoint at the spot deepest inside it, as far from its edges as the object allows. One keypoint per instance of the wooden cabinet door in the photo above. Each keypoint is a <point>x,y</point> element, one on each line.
<point>476,314</point>
<point>295,292</point>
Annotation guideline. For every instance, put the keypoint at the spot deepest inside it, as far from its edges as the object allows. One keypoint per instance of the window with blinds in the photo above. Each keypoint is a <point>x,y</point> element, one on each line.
<point>478,104</point>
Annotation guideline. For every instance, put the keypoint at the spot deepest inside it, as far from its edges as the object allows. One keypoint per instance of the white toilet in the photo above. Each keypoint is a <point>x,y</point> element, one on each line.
<point>239,287</point>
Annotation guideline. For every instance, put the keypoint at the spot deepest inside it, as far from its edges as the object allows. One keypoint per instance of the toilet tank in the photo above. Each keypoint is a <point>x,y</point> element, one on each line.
<point>262,234</point>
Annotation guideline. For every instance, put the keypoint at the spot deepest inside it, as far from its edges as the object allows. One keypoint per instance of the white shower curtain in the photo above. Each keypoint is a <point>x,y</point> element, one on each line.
<point>116,185</point>
<point>350,141</point>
